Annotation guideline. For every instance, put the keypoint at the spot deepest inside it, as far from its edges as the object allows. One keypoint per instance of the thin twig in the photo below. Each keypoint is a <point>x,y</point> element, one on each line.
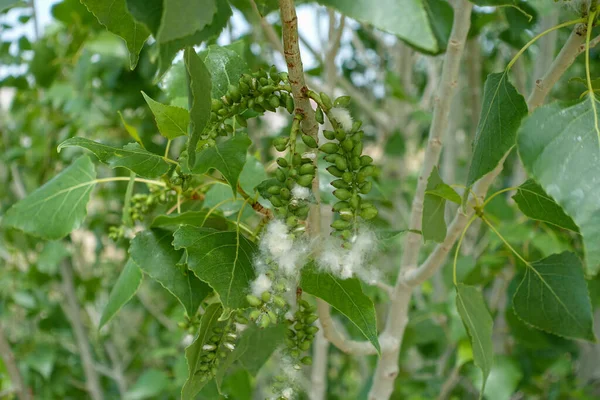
<point>318,375</point>
<point>13,370</point>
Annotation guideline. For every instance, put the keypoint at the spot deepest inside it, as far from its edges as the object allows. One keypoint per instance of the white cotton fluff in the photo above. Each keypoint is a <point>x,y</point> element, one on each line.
<point>346,263</point>
<point>300,192</point>
<point>343,117</point>
<point>288,393</point>
<point>288,254</point>
<point>577,5</point>
<point>260,285</point>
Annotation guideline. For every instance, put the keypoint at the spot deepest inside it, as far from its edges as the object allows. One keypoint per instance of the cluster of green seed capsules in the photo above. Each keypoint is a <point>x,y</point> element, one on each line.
<point>217,346</point>
<point>259,92</point>
<point>142,204</point>
<point>300,333</point>
<point>349,166</point>
<point>267,309</point>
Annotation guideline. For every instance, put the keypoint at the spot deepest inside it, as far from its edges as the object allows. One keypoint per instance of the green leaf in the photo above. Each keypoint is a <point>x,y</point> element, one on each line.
<point>51,256</point>
<point>553,297</point>
<point>152,251</point>
<point>225,66</point>
<point>406,19</point>
<point>441,16</point>
<point>149,385</point>
<point>433,224</point>
<point>228,157</point>
<point>131,156</point>
<point>478,322</point>
<point>116,18</point>
<point>182,18</point>
<point>148,12</point>
<point>494,2</point>
<point>200,89</point>
<point>59,206</point>
<point>168,50</point>
<point>124,289</point>
<point>172,121</point>
<point>536,204</point>
<point>193,352</point>
<point>346,296</point>
<point>445,191</point>
<point>501,114</point>
<point>4,4</point>
<point>194,218</point>
<point>221,259</point>
<point>132,130</point>
<point>560,151</point>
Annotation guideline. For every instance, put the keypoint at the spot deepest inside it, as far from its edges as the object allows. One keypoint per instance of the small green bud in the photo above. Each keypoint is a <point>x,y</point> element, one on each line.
<point>244,88</point>
<point>241,120</point>
<point>285,193</point>
<point>342,101</point>
<point>234,93</point>
<point>307,169</point>
<point>369,170</point>
<point>330,158</point>
<point>274,189</point>
<point>356,126</point>
<point>342,194</point>
<point>306,360</point>
<point>272,317</point>
<point>302,212</point>
<point>280,143</point>
<point>282,162</point>
<point>265,296</point>
<point>358,148</point>
<point>241,320</point>
<point>296,160</point>
<point>335,172</point>
<point>319,115</point>
<point>305,345</point>
<point>346,214</point>
<point>276,201</point>
<point>291,221</point>
<point>312,330</point>
<point>305,180</point>
<point>366,160</point>
<point>289,104</point>
<point>265,321</point>
<point>309,141</point>
<point>279,301</point>
<point>329,135</point>
<point>310,319</point>
<point>340,135</point>
<point>280,175</point>
<point>368,213</point>
<point>329,148</point>
<point>305,305</point>
<point>274,101</point>
<point>294,353</point>
<point>253,300</point>
<point>340,163</point>
<point>293,172</point>
<point>365,187</point>
<point>283,76</point>
<point>354,202</point>
<point>340,225</point>
<point>347,177</point>
<point>347,144</point>
<point>340,205</point>
<point>216,105</point>
<point>340,184</point>
<point>326,100</point>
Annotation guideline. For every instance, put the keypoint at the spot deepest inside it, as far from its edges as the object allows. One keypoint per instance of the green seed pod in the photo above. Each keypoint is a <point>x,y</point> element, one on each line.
<point>222,112</point>
<point>294,353</point>
<point>366,160</point>
<point>347,177</point>
<point>300,335</point>
<point>347,144</point>
<point>309,141</point>
<point>265,296</point>
<point>241,320</point>
<point>280,143</point>
<point>307,169</point>
<point>356,126</point>
<point>274,189</point>
<point>329,135</point>
<point>216,105</point>
<point>306,360</point>
<point>290,183</point>
<point>310,319</point>
<point>293,172</point>
<point>282,162</point>
<point>311,330</point>
<point>340,205</point>
<point>365,187</point>
<point>340,135</point>
<point>289,104</point>
<point>355,162</point>
<point>215,339</point>
<point>291,221</point>
<point>304,305</point>
<point>244,88</point>
<point>330,158</point>
<point>267,89</point>
<point>279,301</point>
<point>254,314</point>
<point>305,345</point>
<point>326,100</point>
<point>290,333</point>
<point>280,212</point>
<point>329,148</point>
<point>346,235</point>
<point>285,193</point>
<point>342,194</point>
<point>354,202</point>
<point>296,160</point>
<point>335,172</point>
<point>272,317</point>
<point>253,300</point>
<point>340,225</point>
<point>368,213</point>
<point>340,184</point>
<point>234,93</point>
<point>274,101</point>
<point>361,177</point>
<point>290,342</point>
<point>342,101</point>
<point>264,322</point>
<point>369,170</point>
<point>302,212</point>
<point>283,76</point>
<point>358,148</point>
<point>263,79</point>
<point>346,214</point>
<point>340,163</point>
<point>258,108</point>
<point>319,116</point>
<point>305,180</point>
<point>276,201</point>
<point>280,175</point>
<point>241,120</point>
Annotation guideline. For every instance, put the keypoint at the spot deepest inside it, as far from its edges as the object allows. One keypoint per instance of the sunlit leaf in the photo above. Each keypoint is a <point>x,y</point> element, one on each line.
<point>433,224</point>
<point>225,67</point>
<point>182,18</point>
<point>123,290</point>
<point>172,121</point>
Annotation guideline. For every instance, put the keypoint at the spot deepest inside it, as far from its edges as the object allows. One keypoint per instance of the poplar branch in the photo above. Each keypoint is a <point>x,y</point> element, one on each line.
<point>16,379</point>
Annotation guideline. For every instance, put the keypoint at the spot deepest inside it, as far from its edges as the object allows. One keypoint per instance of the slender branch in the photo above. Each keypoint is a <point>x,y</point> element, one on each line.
<point>72,311</point>
<point>318,376</point>
<point>13,370</point>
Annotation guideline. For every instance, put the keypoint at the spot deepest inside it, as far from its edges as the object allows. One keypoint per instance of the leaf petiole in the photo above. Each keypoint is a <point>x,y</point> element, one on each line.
<point>493,229</point>
<point>462,236</point>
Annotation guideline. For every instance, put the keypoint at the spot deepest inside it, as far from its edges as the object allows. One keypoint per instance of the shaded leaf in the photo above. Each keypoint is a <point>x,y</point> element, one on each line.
<point>184,17</point>
<point>200,90</point>
<point>560,151</point>
<point>433,224</point>
<point>131,156</point>
<point>228,157</point>
<point>148,12</point>
<point>407,19</point>
<point>346,296</point>
<point>478,322</point>
<point>149,385</point>
<point>553,297</point>
<point>132,130</point>
<point>59,206</point>
<point>194,218</point>
<point>172,121</point>
<point>221,259</point>
<point>193,353</point>
<point>536,204</point>
<point>152,251</point>
<point>124,289</point>
<point>117,19</point>
<point>441,16</point>
<point>501,114</point>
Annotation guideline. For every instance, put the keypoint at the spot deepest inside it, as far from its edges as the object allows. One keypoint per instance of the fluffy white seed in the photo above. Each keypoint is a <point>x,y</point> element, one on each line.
<point>261,284</point>
<point>300,192</point>
<point>343,117</point>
